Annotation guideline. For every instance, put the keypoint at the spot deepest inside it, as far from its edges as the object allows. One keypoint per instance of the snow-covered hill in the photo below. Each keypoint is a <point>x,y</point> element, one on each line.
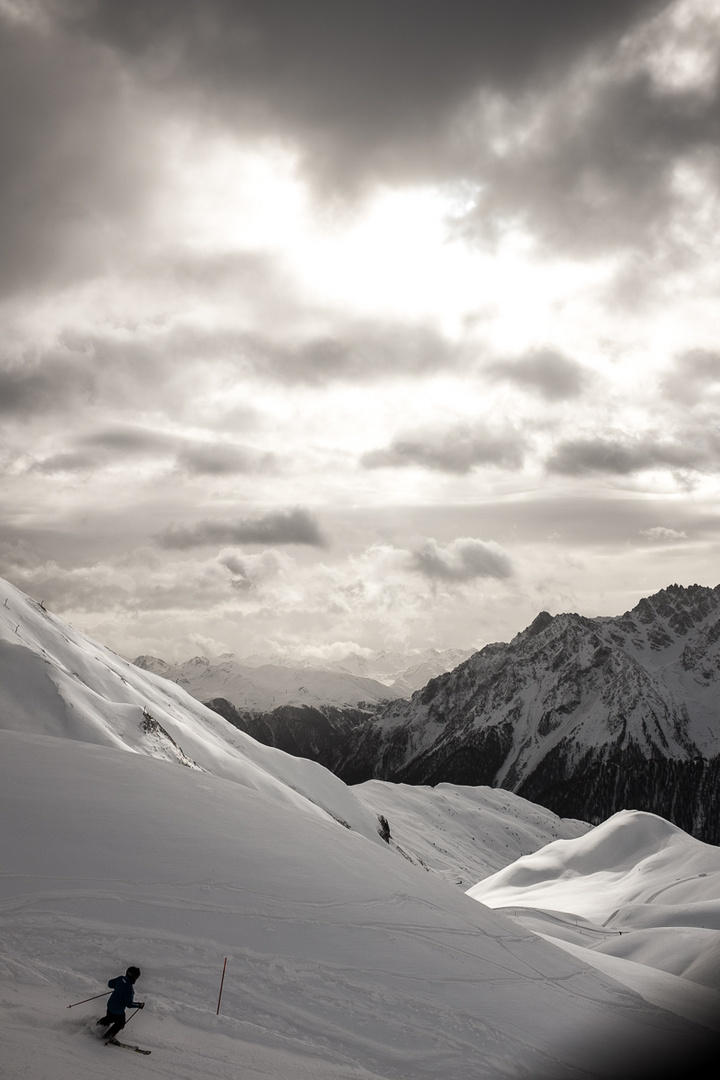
<point>463,834</point>
<point>140,828</point>
<point>55,681</point>
<point>629,704</point>
<point>635,892</point>
<point>344,960</point>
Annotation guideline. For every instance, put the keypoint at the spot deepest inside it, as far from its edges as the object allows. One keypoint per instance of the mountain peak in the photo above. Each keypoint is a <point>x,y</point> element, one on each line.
<point>539,623</point>
<point>629,703</point>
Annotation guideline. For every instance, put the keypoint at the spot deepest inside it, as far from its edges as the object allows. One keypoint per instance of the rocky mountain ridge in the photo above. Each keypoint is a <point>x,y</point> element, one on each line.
<point>586,716</point>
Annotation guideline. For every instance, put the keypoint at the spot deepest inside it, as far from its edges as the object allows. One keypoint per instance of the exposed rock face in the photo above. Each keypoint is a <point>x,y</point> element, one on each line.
<point>319,733</point>
<point>586,716</point>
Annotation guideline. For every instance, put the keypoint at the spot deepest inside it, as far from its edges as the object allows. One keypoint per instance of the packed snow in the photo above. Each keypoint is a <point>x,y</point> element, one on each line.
<point>139,828</point>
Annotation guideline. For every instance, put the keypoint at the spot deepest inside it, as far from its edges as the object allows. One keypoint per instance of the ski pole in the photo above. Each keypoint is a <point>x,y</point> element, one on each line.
<point>104,993</point>
<point>137,1010</point>
<point>221,987</point>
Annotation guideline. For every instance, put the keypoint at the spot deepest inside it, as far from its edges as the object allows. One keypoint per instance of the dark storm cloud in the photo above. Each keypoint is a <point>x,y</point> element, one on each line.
<point>279,527</point>
<point>454,450</point>
<point>350,77</point>
<point>462,560</point>
<point>598,171</point>
<point>554,376</point>
<point>623,457</point>
<point>73,157</point>
<point>366,90</point>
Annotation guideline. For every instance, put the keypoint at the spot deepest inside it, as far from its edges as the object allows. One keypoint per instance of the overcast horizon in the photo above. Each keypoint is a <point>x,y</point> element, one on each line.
<point>334,327</point>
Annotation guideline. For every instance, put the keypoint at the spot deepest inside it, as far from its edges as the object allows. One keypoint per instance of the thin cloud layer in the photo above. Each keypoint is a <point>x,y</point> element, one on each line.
<point>115,447</point>
<point>622,456</point>
<point>282,527</point>
<point>58,381</point>
<point>454,450</point>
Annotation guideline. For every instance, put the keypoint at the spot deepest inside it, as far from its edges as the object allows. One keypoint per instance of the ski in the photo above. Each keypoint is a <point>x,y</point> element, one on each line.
<point>127,1046</point>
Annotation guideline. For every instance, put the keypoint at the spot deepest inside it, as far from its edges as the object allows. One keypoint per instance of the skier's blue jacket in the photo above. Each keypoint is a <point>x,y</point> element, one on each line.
<point>122,995</point>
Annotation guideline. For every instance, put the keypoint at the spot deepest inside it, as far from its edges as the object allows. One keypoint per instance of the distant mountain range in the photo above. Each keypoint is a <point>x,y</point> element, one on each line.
<point>262,683</point>
<point>306,709</point>
<point>586,716</point>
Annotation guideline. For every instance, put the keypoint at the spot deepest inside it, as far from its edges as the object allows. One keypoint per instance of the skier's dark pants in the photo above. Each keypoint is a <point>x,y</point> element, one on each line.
<point>118,1023</point>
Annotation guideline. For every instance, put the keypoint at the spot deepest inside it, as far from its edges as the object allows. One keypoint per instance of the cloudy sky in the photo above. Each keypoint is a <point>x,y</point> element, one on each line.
<point>331,325</point>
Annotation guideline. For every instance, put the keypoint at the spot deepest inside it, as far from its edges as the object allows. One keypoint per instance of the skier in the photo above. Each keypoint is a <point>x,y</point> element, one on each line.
<point>120,1000</point>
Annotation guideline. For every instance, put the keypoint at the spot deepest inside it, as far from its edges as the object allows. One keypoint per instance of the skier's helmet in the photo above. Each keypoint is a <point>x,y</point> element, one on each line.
<point>133,973</point>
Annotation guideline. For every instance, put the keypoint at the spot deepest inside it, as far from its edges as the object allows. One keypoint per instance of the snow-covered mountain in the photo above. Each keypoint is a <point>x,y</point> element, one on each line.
<point>307,710</point>
<point>584,715</point>
<point>265,687</point>
<point>263,683</point>
<point>139,827</point>
<point>403,672</point>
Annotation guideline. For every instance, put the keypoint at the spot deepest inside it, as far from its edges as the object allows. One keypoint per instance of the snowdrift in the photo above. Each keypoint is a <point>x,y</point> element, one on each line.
<point>634,893</point>
<point>628,868</point>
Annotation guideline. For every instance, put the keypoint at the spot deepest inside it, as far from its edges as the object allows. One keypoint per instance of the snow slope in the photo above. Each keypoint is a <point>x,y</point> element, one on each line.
<point>55,681</point>
<point>344,960</point>
<point>463,833</point>
<point>634,894</point>
<point>138,827</point>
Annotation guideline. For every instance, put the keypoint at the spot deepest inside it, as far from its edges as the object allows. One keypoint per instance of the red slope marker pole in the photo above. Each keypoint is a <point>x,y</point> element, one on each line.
<point>221,987</point>
<point>104,993</point>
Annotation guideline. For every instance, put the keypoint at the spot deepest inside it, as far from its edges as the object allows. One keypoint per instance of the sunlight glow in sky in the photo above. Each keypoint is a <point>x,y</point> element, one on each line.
<point>318,323</point>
